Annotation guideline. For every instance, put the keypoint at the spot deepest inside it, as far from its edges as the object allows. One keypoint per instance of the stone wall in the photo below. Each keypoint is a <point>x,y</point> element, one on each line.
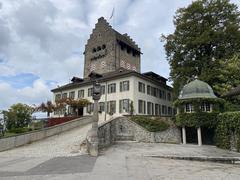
<point>22,139</point>
<point>122,128</point>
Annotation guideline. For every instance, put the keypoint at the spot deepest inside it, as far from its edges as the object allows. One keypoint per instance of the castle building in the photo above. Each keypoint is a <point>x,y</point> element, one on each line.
<point>124,88</point>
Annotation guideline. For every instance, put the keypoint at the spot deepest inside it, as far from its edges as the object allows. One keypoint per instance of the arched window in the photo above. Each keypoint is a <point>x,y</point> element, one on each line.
<point>99,48</point>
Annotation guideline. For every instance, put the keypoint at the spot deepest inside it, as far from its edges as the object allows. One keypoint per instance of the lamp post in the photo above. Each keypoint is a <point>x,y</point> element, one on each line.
<point>92,135</point>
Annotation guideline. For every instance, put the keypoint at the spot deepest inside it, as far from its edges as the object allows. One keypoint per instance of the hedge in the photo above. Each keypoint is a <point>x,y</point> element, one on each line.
<point>20,130</point>
<point>228,123</point>
<point>197,119</point>
<point>152,125</point>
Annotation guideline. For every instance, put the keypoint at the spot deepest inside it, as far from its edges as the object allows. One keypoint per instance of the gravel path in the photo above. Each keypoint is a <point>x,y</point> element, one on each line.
<point>64,144</point>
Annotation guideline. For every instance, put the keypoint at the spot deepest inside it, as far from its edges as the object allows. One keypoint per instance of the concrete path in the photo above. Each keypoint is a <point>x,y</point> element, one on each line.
<point>124,160</point>
<point>64,144</point>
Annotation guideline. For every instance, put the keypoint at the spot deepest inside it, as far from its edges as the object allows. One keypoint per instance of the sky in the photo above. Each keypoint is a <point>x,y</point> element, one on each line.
<point>42,41</point>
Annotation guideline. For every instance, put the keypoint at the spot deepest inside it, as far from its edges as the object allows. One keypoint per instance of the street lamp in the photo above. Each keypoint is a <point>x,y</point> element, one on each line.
<point>92,135</point>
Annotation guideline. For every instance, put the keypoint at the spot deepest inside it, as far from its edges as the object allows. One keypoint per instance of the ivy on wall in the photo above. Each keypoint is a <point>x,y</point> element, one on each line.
<point>228,124</point>
<point>198,118</point>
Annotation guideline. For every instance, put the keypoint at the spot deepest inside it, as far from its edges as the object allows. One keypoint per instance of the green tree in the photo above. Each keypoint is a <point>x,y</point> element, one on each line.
<point>76,103</point>
<point>206,36</point>
<point>18,116</point>
<point>47,107</point>
<point>229,75</point>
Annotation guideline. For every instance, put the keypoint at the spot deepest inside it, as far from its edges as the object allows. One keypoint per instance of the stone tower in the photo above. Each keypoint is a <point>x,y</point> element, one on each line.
<point>107,50</point>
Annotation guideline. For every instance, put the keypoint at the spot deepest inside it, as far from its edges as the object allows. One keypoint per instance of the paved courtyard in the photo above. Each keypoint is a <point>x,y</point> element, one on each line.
<point>124,160</point>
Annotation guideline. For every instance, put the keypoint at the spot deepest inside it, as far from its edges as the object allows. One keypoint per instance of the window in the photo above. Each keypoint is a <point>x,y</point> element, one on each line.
<point>81,93</point>
<point>101,106</point>
<point>205,107</point>
<point>90,108</point>
<point>164,94</point>
<point>124,86</point>
<point>169,96</point>
<point>208,107</point>
<point>148,89</point>
<point>57,97</point>
<point>124,105</point>
<point>169,111</point>
<point>103,46</point>
<point>157,113</point>
<point>90,92</point>
<point>141,87</point>
<point>64,95</point>
<point>103,89</point>
<point>189,108</point>
<point>160,94</point>
<point>150,108</point>
<point>164,109</point>
<point>99,48</point>
<point>141,107</point>
<point>72,95</point>
<point>111,107</point>
<point>112,88</point>
<point>154,92</point>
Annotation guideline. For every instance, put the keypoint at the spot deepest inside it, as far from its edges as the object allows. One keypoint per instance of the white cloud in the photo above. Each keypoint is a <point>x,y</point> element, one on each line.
<point>36,94</point>
<point>46,38</point>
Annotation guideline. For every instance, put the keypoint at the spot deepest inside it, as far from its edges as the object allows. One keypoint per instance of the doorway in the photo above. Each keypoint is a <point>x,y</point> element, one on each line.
<point>80,111</point>
<point>191,135</point>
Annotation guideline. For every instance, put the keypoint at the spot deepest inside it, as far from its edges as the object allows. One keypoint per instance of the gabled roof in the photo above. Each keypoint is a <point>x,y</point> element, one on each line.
<point>153,75</point>
<point>121,72</point>
<point>125,38</point>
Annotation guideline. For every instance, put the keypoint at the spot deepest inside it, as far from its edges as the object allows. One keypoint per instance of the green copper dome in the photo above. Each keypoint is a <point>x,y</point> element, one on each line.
<point>196,89</point>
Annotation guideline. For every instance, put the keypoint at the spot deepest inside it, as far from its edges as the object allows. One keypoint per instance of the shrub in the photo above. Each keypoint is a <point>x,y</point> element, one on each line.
<point>197,119</point>
<point>152,125</point>
<point>228,123</point>
<point>20,130</point>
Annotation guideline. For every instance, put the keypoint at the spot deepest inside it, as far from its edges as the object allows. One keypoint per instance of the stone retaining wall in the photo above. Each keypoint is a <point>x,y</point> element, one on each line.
<point>122,128</point>
<point>26,138</point>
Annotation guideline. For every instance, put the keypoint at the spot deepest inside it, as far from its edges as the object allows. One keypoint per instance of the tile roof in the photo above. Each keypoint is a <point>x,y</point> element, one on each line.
<point>109,76</point>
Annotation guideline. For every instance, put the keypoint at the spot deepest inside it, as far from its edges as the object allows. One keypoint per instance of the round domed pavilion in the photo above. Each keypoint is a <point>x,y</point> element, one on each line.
<point>196,89</point>
<point>197,106</point>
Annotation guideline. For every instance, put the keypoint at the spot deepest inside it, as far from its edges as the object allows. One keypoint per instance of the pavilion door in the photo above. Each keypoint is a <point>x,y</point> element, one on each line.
<point>191,135</point>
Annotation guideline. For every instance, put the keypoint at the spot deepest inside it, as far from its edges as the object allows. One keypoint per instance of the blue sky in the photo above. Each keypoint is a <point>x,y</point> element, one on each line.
<point>41,42</point>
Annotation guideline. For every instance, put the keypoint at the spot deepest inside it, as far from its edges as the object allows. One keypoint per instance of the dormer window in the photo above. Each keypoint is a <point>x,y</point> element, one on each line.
<point>128,50</point>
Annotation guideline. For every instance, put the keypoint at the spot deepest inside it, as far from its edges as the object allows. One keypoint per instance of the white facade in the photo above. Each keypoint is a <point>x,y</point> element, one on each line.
<point>132,94</point>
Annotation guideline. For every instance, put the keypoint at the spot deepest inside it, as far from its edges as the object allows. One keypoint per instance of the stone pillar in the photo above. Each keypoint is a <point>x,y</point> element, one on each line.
<point>184,135</point>
<point>199,134</point>
<point>92,136</point>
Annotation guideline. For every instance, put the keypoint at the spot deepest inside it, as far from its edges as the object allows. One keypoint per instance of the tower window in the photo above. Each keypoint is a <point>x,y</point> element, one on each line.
<point>103,46</point>
<point>94,50</point>
<point>99,48</point>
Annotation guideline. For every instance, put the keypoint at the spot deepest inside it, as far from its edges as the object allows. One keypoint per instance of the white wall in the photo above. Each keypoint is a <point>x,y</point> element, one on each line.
<point>148,98</point>
<point>133,94</point>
